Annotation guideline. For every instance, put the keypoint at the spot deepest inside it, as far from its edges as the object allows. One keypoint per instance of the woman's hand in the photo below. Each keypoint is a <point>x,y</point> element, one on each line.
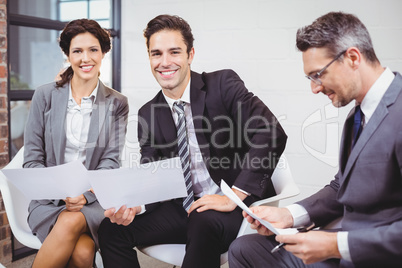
<point>75,204</point>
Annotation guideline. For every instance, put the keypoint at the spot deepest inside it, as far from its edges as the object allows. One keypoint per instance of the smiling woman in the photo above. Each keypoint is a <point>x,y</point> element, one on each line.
<point>84,43</point>
<point>85,57</point>
<point>34,59</point>
<point>66,123</point>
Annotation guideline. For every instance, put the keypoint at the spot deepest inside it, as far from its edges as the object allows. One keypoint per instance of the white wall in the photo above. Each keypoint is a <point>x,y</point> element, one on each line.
<point>256,38</point>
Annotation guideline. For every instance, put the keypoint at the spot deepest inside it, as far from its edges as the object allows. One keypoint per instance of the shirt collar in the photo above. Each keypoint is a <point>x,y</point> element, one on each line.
<point>375,93</point>
<point>184,98</point>
<point>92,96</point>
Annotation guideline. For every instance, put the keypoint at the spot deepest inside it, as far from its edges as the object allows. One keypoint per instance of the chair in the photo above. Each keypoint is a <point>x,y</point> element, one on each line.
<point>16,205</point>
<point>285,187</point>
<point>19,115</point>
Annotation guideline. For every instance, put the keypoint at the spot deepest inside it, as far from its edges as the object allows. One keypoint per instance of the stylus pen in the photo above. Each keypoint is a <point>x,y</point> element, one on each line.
<point>301,230</point>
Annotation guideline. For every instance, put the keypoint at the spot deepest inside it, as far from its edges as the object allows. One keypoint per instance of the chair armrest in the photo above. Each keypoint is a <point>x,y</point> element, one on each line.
<point>289,191</point>
<point>17,212</point>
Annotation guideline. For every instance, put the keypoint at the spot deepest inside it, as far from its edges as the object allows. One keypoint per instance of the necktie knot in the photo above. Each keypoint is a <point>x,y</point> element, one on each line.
<point>179,107</point>
<point>358,114</point>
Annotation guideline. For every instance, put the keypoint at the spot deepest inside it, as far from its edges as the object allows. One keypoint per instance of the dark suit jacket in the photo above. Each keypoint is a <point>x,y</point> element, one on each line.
<point>240,139</point>
<point>367,191</point>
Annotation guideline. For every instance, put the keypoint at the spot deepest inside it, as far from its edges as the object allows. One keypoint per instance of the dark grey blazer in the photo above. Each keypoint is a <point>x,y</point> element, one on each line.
<point>45,137</point>
<point>367,191</point>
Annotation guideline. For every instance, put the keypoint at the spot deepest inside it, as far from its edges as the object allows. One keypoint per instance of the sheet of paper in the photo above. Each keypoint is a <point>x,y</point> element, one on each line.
<point>144,184</point>
<point>59,182</point>
<point>229,193</point>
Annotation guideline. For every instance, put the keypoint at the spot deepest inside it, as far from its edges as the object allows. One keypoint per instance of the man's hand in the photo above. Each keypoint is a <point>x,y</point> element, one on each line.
<point>124,216</point>
<point>75,204</point>
<point>278,217</point>
<point>313,246</point>
<point>216,202</point>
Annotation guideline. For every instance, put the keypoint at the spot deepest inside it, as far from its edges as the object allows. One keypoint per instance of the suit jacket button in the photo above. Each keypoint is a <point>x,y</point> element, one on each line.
<point>349,209</point>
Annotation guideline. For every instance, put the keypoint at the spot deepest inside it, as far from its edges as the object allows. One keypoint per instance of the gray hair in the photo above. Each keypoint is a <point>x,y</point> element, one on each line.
<point>337,31</point>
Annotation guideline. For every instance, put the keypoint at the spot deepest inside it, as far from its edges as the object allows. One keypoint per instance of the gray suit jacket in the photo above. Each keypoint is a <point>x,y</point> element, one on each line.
<point>367,191</point>
<point>45,134</point>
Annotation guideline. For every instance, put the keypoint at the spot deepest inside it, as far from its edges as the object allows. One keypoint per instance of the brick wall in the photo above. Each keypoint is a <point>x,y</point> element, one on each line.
<point>5,232</point>
<point>3,85</point>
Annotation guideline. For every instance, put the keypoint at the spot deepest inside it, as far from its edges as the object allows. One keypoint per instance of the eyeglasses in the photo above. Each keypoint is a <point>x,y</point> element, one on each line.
<point>316,77</point>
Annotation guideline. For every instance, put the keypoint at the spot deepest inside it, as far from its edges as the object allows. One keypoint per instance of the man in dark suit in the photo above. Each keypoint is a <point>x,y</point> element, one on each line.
<point>339,60</point>
<point>230,135</point>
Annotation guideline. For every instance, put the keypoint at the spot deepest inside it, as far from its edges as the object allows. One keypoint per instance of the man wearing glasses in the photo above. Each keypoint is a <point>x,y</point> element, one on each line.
<point>367,190</point>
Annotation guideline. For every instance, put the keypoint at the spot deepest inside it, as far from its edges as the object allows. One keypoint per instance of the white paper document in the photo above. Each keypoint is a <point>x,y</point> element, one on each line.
<point>229,193</point>
<point>143,184</point>
<point>58,182</point>
<point>147,183</point>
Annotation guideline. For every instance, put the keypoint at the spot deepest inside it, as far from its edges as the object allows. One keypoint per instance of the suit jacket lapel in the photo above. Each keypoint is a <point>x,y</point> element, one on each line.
<point>100,111</point>
<point>58,118</point>
<point>375,121</point>
<point>163,118</point>
<point>368,131</point>
<point>197,98</point>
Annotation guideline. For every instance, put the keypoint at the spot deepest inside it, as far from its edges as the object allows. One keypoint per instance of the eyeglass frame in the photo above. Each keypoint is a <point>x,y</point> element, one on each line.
<point>316,77</point>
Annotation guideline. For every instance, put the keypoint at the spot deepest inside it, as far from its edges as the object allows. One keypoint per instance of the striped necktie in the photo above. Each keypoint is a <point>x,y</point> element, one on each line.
<point>182,145</point>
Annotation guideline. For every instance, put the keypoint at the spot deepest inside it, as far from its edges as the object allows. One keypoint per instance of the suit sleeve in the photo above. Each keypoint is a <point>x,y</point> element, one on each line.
<point>263,136</point>
<point>323,206</point>
<point>34,137</point>
<point>148,152</point>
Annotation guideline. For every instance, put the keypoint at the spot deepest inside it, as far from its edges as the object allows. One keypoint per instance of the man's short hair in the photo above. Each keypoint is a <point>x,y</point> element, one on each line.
<point>173,23</point>
<point>336,31</point>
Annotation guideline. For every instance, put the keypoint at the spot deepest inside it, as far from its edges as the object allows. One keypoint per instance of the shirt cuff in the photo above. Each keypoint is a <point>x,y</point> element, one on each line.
<point>299,214</point>
<point>142,210</point>
<point>343,245</point>
<point>244,192</point>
